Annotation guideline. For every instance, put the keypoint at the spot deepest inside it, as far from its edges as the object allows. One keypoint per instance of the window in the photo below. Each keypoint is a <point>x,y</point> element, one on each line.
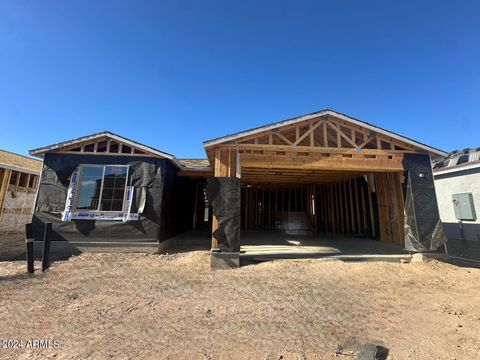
<point>102,187</point>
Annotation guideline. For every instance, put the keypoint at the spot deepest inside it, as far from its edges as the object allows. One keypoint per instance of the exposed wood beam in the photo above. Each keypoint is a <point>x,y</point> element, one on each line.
<point>321,163</point>
<point>370,204</point>
<point>341,134</point>
<point>325,135</point>
<point>281,136</point>
<point>5,180</point>
<point>365,142</point>
<point>309,132</point>
<point>308,149</point>
<point>312,138</point>
<point>339,139</point>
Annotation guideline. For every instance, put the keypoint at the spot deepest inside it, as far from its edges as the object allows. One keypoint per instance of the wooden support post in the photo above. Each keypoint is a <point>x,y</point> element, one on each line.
<point>17,182</point>
<point>312,139</point>
<point>245,208</point>
<point>5,180</point>
<point>340,205</point>
<point>313,201</point>
<point>325,135</point>
<point>352,212</point>
<point>29,250</point>
<point>398,205</point>
<point>357,207</point>
<point>295,199</point>
<point>223,167</point>
<point>238,166</point>
<point>364,210</point>
<point>327,210</point>
<point>263,208</point>
<point>330,207</point>
<point>347,212</point>
<point>46,246</point>
<point>370,204</point>
<point>334,208</point>
<point>384,228</point>
<point>334,214</point>
<point>321,214</point>
<point>390,206</point>
<point>326,214</point>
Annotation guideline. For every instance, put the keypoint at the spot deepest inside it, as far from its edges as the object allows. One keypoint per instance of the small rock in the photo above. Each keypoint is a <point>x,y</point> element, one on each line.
<point>72,295</point>
<point>209,312</point>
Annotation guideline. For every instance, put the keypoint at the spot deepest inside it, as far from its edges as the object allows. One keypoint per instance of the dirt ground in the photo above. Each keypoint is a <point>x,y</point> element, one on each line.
<point>12,247</point>
<point>175,307</point>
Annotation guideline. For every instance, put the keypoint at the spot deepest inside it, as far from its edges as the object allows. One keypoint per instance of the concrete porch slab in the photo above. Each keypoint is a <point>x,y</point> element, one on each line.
<point>268,245</point>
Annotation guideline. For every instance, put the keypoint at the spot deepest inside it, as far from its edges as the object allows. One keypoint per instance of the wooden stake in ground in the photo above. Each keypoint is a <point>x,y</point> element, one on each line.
<point>29,253</point>
<point>46,246</point>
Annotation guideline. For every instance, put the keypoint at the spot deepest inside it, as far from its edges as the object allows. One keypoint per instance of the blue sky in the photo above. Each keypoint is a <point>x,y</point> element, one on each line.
<point>172,74</point>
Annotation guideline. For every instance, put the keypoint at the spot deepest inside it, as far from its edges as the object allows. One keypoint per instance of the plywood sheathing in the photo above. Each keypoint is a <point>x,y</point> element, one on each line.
<point>19,162</point>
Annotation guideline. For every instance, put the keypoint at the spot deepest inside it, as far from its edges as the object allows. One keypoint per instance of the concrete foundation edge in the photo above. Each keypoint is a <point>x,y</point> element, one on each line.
<point>224,260</point>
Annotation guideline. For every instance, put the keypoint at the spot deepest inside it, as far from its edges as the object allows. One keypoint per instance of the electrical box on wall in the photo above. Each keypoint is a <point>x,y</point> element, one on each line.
<point>464,206</point>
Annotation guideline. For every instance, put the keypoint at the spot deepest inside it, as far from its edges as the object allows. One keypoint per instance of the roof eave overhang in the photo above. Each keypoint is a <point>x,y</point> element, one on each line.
<point>457,168</point>
<point>40,152</point>
<point>19,169</point>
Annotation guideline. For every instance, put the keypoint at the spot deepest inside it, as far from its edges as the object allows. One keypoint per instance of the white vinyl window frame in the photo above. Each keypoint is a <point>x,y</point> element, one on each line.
<point>124,200</point>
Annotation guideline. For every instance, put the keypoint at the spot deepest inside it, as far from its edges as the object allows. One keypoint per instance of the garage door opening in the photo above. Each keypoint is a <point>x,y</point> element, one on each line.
<point>344,207</point>
<point>328,218</point>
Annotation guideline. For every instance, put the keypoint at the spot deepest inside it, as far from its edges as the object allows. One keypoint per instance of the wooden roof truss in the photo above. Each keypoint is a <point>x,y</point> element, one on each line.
<point>322,149</point>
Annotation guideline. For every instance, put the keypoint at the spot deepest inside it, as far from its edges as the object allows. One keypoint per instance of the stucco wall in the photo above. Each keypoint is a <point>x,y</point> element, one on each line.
<point>463,181</point>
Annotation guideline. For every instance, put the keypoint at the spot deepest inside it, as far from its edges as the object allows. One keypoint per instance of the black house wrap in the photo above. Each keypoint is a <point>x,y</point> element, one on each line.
<point>156,185</point>
<point>423,227</point>
<point>224,195</point>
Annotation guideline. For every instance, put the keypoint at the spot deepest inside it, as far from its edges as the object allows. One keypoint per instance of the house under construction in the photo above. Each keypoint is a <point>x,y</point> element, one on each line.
<point>321,173</point>
<point>18,186</point>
